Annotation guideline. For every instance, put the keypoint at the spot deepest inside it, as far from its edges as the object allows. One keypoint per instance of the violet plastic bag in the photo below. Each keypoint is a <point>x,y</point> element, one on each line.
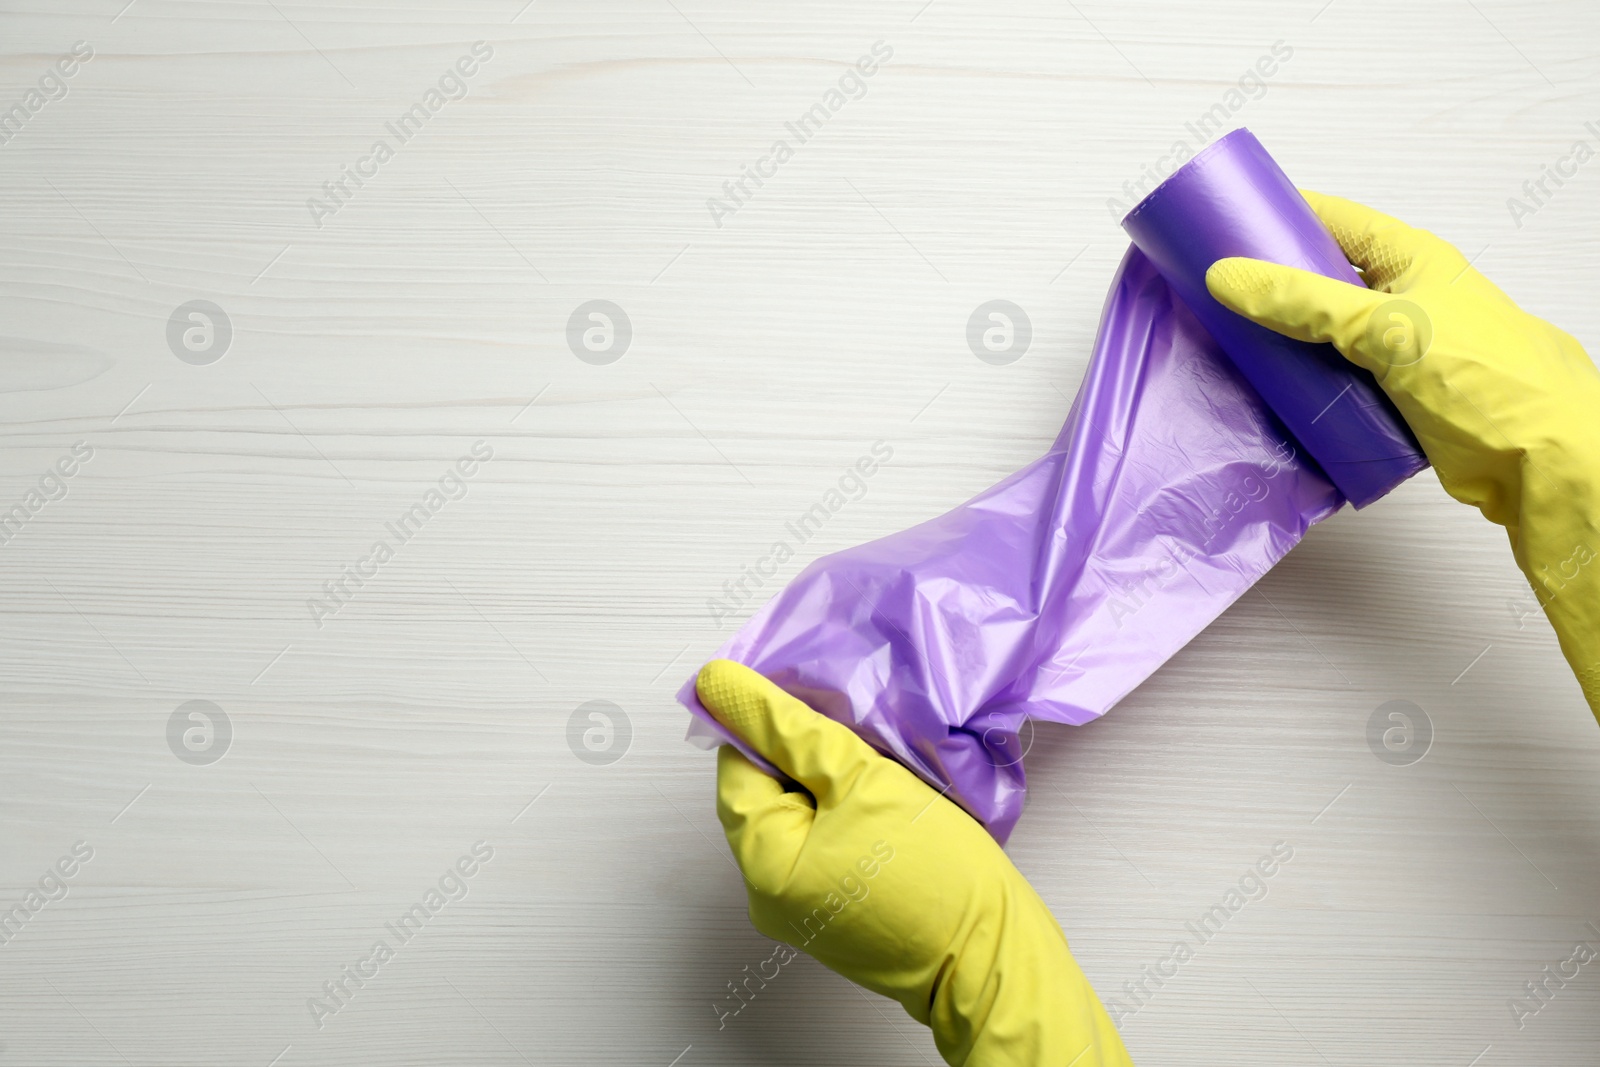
<point>1233,200</point>
<point>1171,489</point>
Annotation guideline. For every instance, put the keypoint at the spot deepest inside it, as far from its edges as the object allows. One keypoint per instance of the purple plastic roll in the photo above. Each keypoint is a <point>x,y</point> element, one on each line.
<point>1234,200</point>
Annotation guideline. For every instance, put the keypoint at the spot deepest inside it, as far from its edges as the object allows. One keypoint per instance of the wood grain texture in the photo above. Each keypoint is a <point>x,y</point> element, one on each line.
<point>430,313</point>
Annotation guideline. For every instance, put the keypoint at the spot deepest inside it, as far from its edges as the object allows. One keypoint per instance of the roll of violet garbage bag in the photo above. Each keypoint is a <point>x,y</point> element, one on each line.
<point>1232,199</point>
<point>1172,487</point>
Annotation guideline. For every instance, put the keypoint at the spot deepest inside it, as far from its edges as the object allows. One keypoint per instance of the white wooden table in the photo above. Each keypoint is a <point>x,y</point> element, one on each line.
<point>374,341</point>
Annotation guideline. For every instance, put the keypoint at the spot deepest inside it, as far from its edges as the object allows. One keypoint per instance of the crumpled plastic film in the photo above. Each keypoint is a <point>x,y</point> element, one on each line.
<point>1170,490</point>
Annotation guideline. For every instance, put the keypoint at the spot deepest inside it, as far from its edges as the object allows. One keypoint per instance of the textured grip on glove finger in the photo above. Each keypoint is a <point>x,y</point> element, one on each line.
<point>815,751</point>
<point>1247,276</point>
<point>734,702</point>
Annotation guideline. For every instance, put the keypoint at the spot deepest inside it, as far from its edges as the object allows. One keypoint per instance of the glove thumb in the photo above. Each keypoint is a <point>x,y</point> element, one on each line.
<point>1308,307</point>
<point>815,751</point>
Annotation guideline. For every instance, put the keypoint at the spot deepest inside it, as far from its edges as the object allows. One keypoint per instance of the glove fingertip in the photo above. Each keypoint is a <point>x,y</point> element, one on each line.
<point>1233,281</point>
<point>729,691</point>
<point>794,737</point>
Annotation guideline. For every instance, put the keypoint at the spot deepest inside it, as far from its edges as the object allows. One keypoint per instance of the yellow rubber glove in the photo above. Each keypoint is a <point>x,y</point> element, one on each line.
<point>888,883</point>
<point>1506,406</point>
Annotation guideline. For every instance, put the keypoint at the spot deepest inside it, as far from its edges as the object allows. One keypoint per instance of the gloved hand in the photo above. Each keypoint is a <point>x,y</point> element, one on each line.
<point>1506,406</point>
<point>888,883</point>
